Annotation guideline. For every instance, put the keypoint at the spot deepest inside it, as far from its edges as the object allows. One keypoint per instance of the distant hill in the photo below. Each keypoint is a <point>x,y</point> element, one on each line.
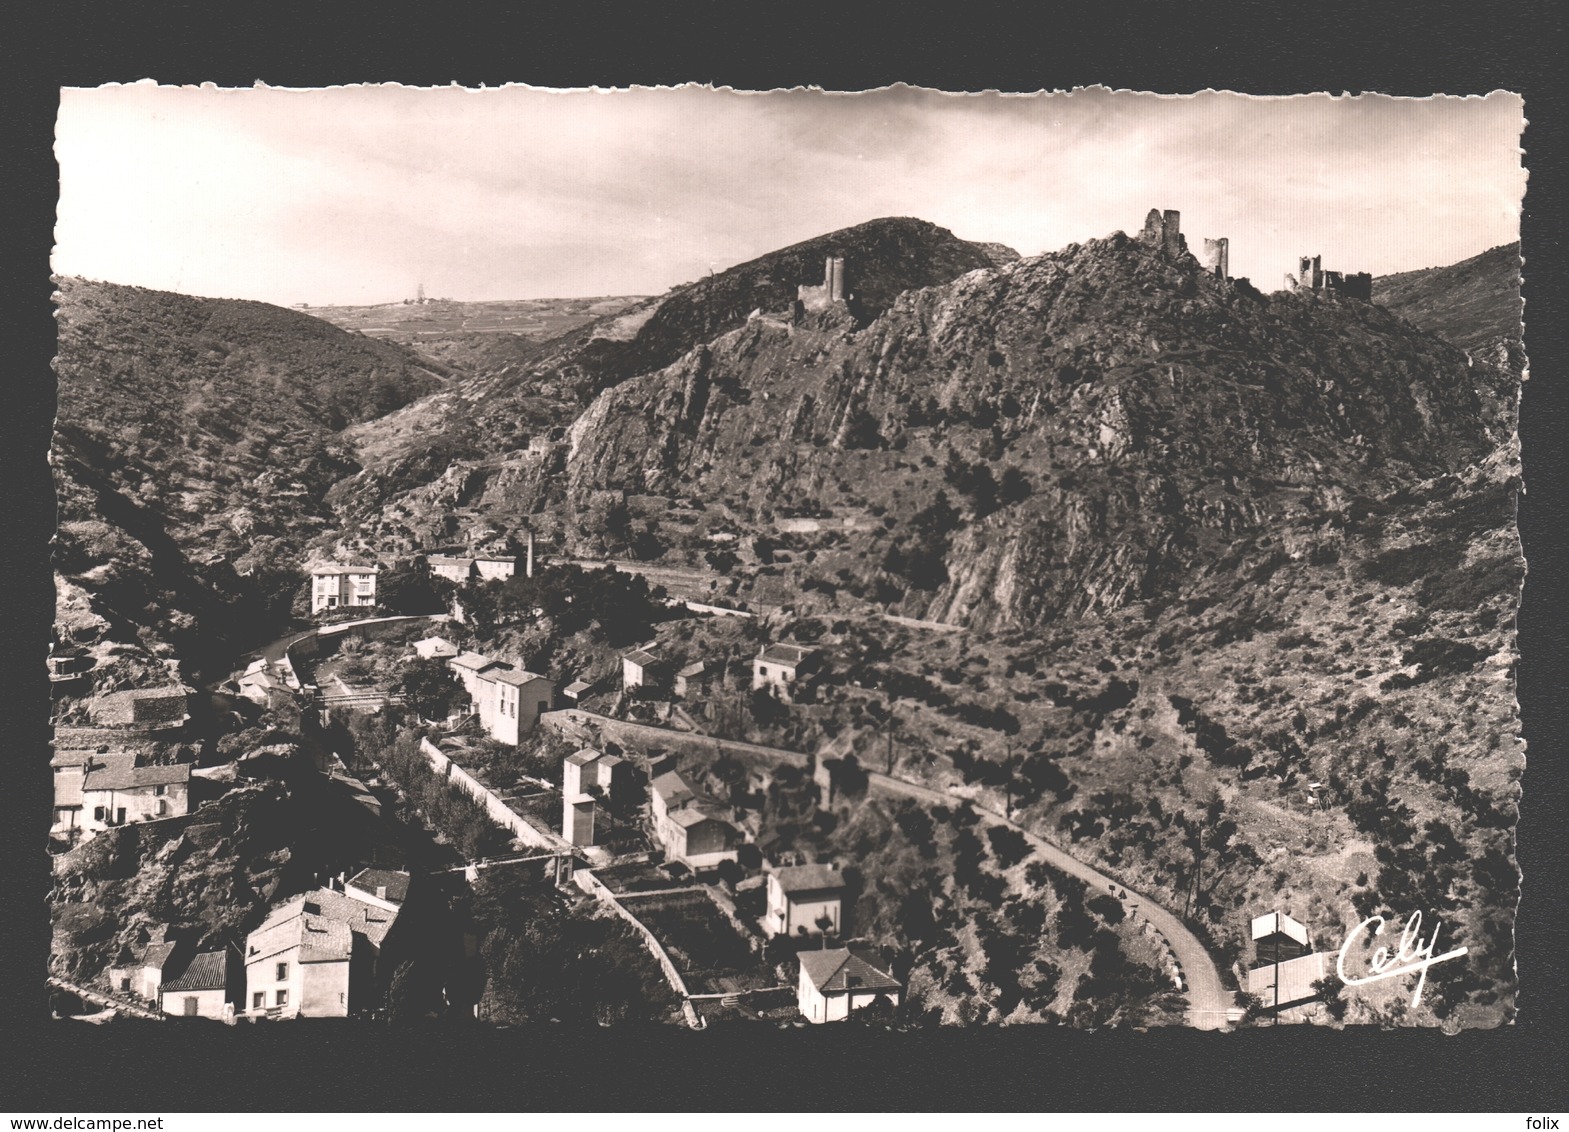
<point>194,443</point>
<point>1471,303</point>
<point>524,390</point>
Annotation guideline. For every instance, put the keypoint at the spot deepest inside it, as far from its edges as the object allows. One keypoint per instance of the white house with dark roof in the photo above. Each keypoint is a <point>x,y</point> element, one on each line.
<point>802,898</point>
<point>835,981</point>
<point>471,668</point>
<point>315,956</point>
<point>115,791</point>
<point>335,585</point>
<point>782,667</point>
<point>694,829</point>
<point>641,667</point>
<point>512,702</point>
<point>207,988</point>
<point>142,972</point>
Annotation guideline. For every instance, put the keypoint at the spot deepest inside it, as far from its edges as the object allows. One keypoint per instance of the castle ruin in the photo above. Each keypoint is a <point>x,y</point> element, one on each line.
<point>1311,276</point>
<point>827,293</point>
<point>1217,257</point>
<point>1164,231</point>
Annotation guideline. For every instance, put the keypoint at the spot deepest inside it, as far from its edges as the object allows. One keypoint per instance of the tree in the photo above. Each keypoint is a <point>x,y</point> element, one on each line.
<point>428,688</point>
<point>406,588</point>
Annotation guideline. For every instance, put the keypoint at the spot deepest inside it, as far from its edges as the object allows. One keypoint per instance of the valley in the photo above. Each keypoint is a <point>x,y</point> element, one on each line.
<point>1097,567</point>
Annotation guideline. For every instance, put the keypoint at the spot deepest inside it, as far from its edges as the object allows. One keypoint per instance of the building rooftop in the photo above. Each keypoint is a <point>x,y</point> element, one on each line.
<point>320,940</point>
<point>791,655</point>
<point>328,911</point>
<point>696,668</point>
<point>395,882</point>
<point>474,660</point>
<point>688,816</point>
<point>1297,977</point>
<point>517,679</point>
<point>119,775</point>
<point>584,757</point>
<point>73,756</point>
<point>839,970</point>
<point>1268,925</point>
<point>796,879</point>
<point>641,657</point>
<point>206,971</point>
<point>674,789</point>
<point>327,568</point>
<point>141,706</point>
<point>577,688</point>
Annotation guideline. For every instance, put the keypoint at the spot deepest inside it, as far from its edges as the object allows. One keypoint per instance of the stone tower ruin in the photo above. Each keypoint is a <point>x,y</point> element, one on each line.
<point>1312,277</point>
<point>827,293</point>
<point>1164,231</point>
<point>1217,257</point>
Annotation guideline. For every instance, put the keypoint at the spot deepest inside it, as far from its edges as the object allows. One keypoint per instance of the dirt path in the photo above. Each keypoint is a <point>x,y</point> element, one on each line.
<point>1208,999</point>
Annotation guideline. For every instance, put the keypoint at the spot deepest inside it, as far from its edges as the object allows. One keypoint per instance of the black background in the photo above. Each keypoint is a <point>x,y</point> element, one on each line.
<point>1259,48</point>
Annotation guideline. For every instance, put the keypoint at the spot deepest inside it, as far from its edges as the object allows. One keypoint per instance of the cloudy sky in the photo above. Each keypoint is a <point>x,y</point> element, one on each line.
<point>362,194</point>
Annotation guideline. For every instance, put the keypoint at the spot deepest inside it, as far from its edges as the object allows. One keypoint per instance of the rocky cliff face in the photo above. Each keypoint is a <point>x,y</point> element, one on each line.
<point>524,394</point>
<point>1151,412</point>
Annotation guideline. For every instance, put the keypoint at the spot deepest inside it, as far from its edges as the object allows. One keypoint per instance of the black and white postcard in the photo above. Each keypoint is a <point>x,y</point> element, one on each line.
<point>786,559</point>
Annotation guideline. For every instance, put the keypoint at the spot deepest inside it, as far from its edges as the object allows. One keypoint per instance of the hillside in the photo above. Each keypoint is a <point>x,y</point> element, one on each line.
<point>1058,436</point>
<point>522,391</point>
<point>1207,547</point>
<point>194,443</point>
<point>1474,303</point>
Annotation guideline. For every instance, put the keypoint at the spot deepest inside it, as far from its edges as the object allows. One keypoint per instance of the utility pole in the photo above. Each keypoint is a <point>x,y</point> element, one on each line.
<point>888,731</point>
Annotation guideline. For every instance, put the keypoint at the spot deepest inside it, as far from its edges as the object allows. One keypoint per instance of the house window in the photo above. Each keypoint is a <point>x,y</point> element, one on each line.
<point>98,813</point>
<point>258,1000</point>
<point>163,807</point>
<point>125,984</point>
<point>160,791</point>
<point>283,972</point>
<point>282,998</point>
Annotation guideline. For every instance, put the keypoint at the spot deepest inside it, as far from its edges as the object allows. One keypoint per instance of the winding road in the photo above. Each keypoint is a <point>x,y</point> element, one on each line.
<point>1209,1003</point>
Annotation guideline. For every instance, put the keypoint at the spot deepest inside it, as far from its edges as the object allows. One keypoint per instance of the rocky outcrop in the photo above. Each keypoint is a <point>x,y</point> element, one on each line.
<point>1154,411</point>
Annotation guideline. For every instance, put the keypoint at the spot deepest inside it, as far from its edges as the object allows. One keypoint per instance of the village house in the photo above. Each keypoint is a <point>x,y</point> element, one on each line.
<point>641,668</point>
<point>334,586</point>
<point>1287,966</point>
<point>583,774</point>
<point>115,791</point>
<point>693,679</point>
<point>782,668</point>
<point>145,709</point>
<point>315,956</point>
<point>69,767</point>
<point>575,691</point>
<point>512,702</point>
<point>495,569</point>
<point>435,647</point>
<point>209,987</point>
<point>694,829</point>
<point>381,888</point>
<point>471,668</point>
<point>141,972</point>
<point>451,567</point>
<point>835,981</point>
<point>259,685</point>
<point>805,900</point>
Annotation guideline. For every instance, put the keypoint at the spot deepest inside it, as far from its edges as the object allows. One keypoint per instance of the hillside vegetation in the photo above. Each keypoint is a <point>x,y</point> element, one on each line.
<point>195,441</point>
<point>1474,303</point>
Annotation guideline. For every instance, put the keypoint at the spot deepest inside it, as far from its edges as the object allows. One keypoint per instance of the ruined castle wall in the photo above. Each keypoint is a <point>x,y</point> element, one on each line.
<point>1216,257</point>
